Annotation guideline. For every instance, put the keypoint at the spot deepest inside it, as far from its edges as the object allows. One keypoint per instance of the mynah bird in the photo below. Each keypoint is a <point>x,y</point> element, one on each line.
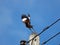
<point>26,21</point>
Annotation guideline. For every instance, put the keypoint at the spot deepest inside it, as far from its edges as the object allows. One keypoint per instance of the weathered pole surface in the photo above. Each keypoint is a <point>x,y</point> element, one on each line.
<point>36,40</point>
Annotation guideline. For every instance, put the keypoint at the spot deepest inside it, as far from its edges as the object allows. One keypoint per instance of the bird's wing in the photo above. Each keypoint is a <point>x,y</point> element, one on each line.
<point>24,19</point>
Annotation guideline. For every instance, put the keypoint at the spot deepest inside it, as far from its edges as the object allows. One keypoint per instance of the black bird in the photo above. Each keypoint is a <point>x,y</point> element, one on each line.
<point>26,21</point>
<point>23,42</point>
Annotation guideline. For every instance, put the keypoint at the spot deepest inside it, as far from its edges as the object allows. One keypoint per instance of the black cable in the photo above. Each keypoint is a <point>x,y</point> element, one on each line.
<point>50,38</point>
<point>44,29</point>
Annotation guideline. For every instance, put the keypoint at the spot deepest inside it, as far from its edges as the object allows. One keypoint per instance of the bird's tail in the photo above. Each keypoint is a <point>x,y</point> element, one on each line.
<point>32,29</point>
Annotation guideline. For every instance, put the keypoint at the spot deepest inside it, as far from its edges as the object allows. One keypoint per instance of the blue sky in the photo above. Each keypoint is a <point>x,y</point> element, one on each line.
<point>43,13</point>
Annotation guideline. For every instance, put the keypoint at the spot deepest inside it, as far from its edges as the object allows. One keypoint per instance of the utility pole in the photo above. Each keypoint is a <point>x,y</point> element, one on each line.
<point>36,40</point>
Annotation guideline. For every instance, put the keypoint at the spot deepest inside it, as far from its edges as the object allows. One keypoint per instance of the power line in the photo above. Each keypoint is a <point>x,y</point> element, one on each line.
<point>50,38</point>
<point>44,29</point>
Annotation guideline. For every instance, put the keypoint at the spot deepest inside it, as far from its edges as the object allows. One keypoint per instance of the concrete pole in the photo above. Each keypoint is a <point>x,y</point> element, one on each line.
<point>36,41</point>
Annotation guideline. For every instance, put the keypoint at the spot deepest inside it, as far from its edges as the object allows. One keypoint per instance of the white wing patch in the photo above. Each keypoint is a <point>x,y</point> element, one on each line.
<point>24,19</point>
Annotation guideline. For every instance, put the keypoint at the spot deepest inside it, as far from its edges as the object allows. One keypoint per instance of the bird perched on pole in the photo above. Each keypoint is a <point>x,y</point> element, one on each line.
<point>22,42</point>
<point>26,21</point>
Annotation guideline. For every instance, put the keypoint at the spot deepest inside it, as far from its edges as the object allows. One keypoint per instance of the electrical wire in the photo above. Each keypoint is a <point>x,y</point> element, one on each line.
<point>50,38</point>
<point>44,29</point>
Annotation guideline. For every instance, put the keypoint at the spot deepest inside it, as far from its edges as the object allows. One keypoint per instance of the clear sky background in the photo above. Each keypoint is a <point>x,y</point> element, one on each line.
<point>43,13</point>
